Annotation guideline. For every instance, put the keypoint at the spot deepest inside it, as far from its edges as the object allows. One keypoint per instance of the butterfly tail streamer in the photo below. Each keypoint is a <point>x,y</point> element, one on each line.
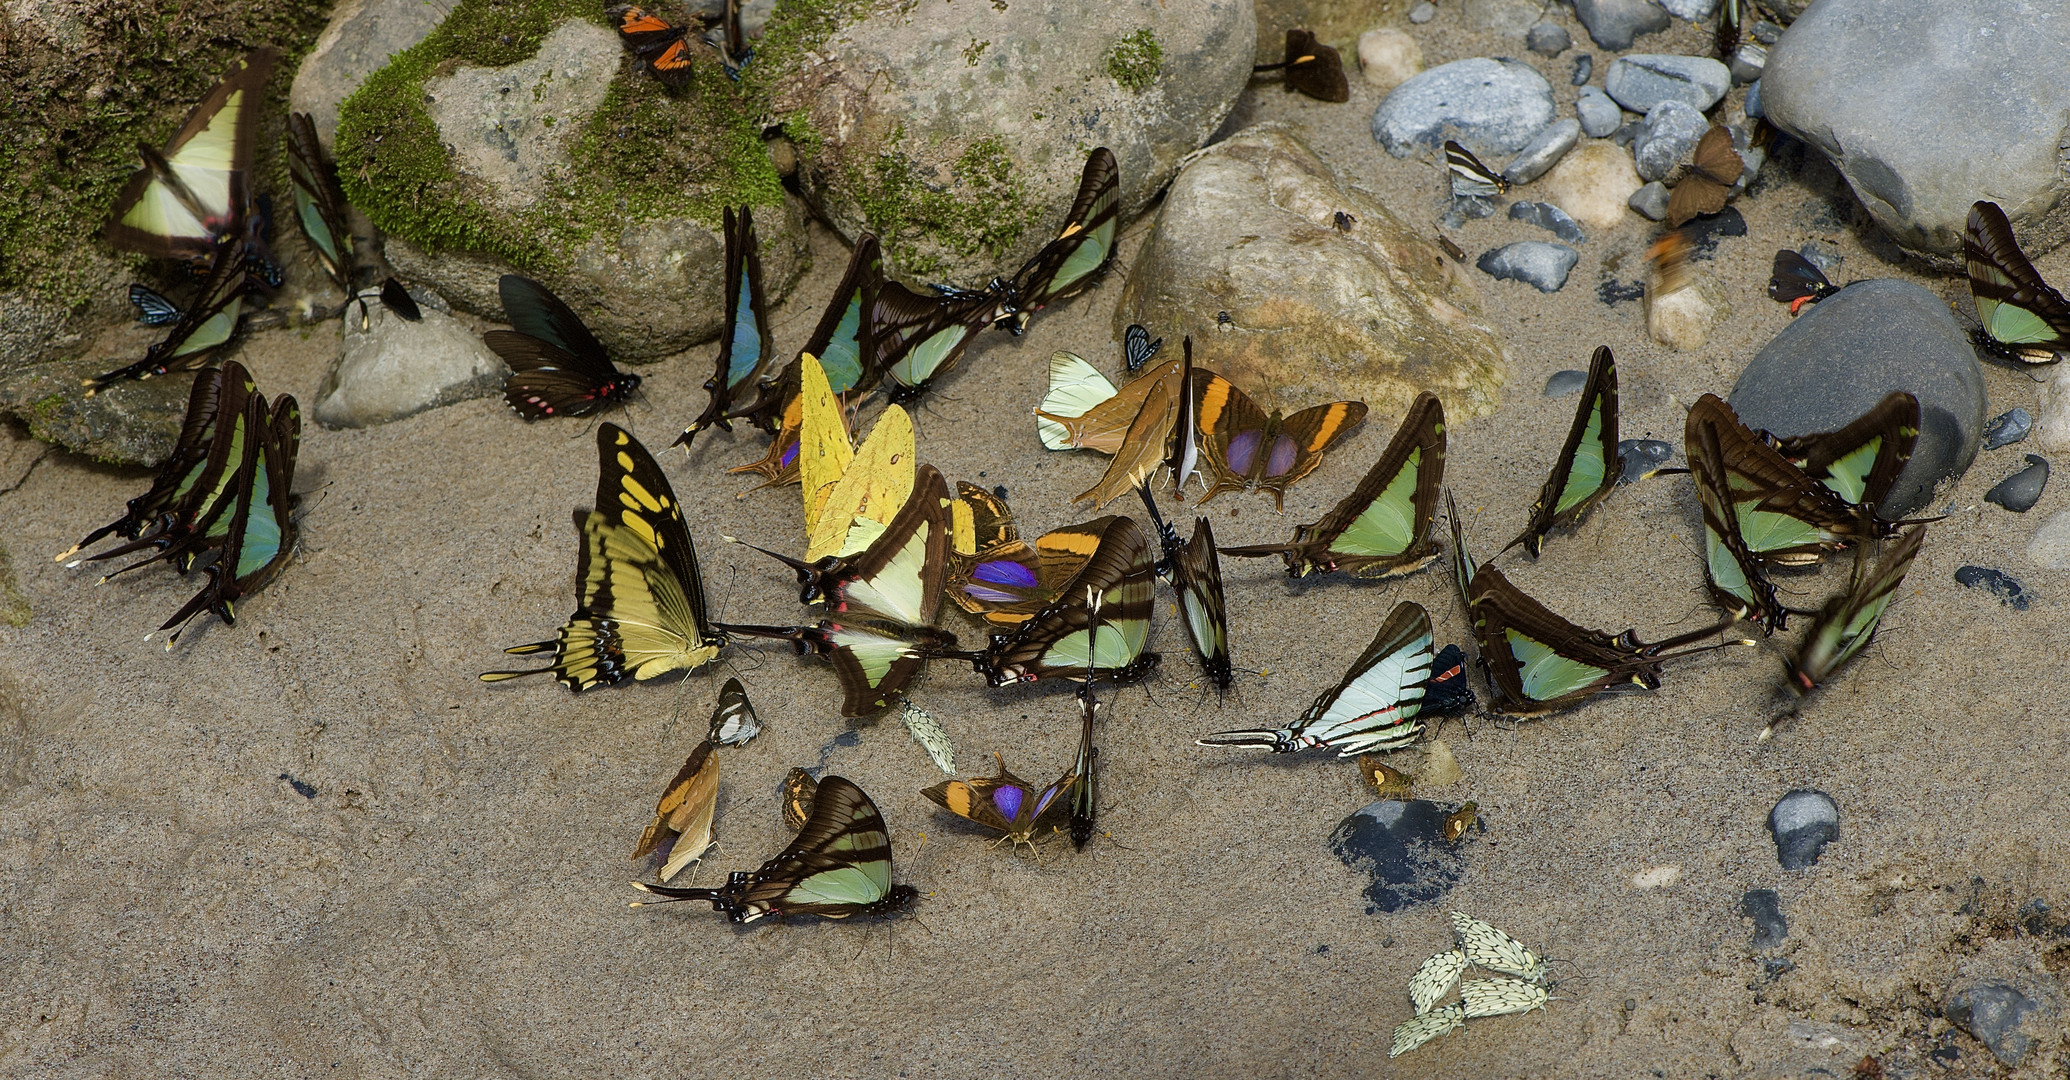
<point>1278,742</point>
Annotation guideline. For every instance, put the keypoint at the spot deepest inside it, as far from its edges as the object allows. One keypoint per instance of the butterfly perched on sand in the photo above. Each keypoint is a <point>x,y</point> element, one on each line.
<point>1194,571</point>
<point>684,813</point>
<point>1003,802</point>
<point>733,720</point>
<point>557,367</point>
<point>1245,449</point>
<point>253,534</point>
<point>1713,173</point>
<point>1589,462</point>
<point>1058,641</point>
<point>1470,178</point>
<point>1797,281</point>
<point>1082,250</point>
<point>1311,67</point>
<point>1848,621</point>
<point>2023,317</point>
<point>1373,708</point>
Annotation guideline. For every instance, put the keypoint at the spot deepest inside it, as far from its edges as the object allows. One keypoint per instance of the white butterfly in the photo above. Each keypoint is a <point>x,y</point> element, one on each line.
<point>1489,948</point>
<point>1496,997</point>
<point>929,735</point>
<point>1435,978</point>
<point>1421,1029</point>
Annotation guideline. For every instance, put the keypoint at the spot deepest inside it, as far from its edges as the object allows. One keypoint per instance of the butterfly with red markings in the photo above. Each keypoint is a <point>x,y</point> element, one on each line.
<point>557,367</point>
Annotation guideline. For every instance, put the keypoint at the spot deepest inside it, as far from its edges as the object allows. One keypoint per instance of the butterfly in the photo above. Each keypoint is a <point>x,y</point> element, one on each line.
<point>874,484</point>
<point>1796,281</point>
<point>1247,450</point>
<point>839,866</point>
<point>1085,789</point>
<point>1848,622</point>
<point>733,721</point>
<point>1003,802</point>
<point>1458,821</point>
<point>1195,573</point>
<point>1083,411</point>
<point>1862,461</point>
<point>640,599</point>
<point>928,732</point>
<point>1463,564</point>
<point>662,46</point>
<point>919,338</point>
<point>1082,250</point>
<point>1434,979</point>
<point>1713,172</point>
<point>1075,388</point>
<point>257,530</point>
<point>744,348</point>
<point>1420,1029</point>
<point>1484,946</point>
<point>202,328</point>
<point>1388,783</point>
<point>1737,578</point>
<point>1470,178</point>
<point>1536,661</point>
<point>1589,464</point>
<point>684,813</point>
<point>152,308</point>
<point>1498,997</point>
<point>1311,67</point>
<point>1058,640</point>
<point>319,208</point>
<point>1447,693</point>
<point>800,792</point>
<point>1383,528</point>
<point>1373,708</point>
<point>732,41</point>
<point>1783,516</point>
<point>873,662</point>
<point>195,195</point>
<point>843,344</point>
<point>2023,318</point>
<point>396,298</point>
<point>1161,434</point>
<point>995,575</point>
<point>557,367</point>
<point>1137,349</point>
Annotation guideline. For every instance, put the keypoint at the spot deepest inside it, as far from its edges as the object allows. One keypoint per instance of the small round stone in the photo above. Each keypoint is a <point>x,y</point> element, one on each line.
<point>2020,491</point>
<point>1803,823</point>
<point>1536,263</point>
<point>1584,70</point>
<point>2006,428</point>
<point>1550,218</point>
<point>1388,58</point>
<point>1548,39</point>
<point>1650,202</point>
<point>2006,587</point>
<point>1598,114</point>
<point>1567,382</point>
<point>1423,13</point>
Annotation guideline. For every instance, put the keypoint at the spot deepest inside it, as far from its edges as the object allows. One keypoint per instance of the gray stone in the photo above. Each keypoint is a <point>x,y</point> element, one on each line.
<point>1753,106</point>
<point>1541,265</point>
<point>1550,218</point>
<point>392,368</point>
<point>1767,33</point>
<point>1491,106</point>
<point>1423,12</point>
<point>1672,131</point>
<point>1584,70</point>
<point>1764,907</point>
<point>1598,114</point>
<point>361,37</point>
<point>503,125</point>
<point>1803,823</point>
<point>1612,24</point>
<point>1926,107</point>
<point>1643,458</point>
<point>1628,132</point>
<point>2004,429</point>
<point>2001,584</point>
<point>1643,80</point>
<point>1998,1014</point>
<point>1375,314</point>
<point>1562,383</point>
<point>1847,351</point>
<point>2049,547</point>
<point>1691,10</point>
<point>1401,845</point>
<point>1548,39</point>
<point>1748,61</point>
<point>1651,202</point>
<point>2020,491</point>
<point>1543,151</point>
<point>1509,18</point>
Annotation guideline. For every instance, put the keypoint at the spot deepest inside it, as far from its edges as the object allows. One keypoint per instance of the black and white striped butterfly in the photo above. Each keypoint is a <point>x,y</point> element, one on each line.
<point>1470,178</point>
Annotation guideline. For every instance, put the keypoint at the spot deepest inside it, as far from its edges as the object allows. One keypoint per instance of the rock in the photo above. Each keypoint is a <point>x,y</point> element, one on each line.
<point>464,168</point>
<point>1669,137</point>
<point>2004,429</point>
<point>1690,10</point>
<point>1598,114</point>
<point>14,607</point>
<point>1854,78</point>
<point>1628,132</point>
<point>1562,383</point>
<point>396,368</point>
<point>1612,24</point>
<point>1651,201</point>
<point>1389,57</point>
<point>1401,844</point>
<point>1642,458</point>
<point>1548,39</point>
<point>1491,106</point>
<point>1748,61</point>
<point>1643,80</point>
<point>957,131</point>
<point>1584,70</point>
<point>2049,548</point>
<point>1845,352</point>
<point>1509,18</point>
<point>2008,1022</point>
<point>1593,184</point>
<point>2020,491</point>
<point>1376,314</point>
<point>362,36</point>
<point>1549,217</point>
<point>1683,320</point>
<point>1536,263</point>
<point>1803,823</point>
<point>1767,33</point>
<point>2006,587</point>
<point>132,423</point>
<point>1543,151</point>
<point>2052,422</point>
<point>1466,208</point>
<point>1764,906</point>
<point>1423,12</point>
<point>1611,292</point>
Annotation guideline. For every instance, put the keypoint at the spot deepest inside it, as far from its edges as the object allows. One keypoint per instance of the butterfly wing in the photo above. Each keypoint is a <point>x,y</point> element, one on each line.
<point>840,864</point>
<point>660,44</point>
<point>319,208</point>
<point>194,193</point>
<point>1104,427</point>
<point>2023,317</point>
<point>1197,579</point>
<point>1375,706</point>
<point>558,368</point>
<point>1848,622</point>
<point>1589,462</point>
<point>1314,68</point>
<point>1297,447</point>
<point>1075,388</point>
<point>734,721</point>
<point>1057,641</point>
<point>1470,178</point>
<point>205,326</point>
<point>744,348</point>
<point>1083,248</point>
<point>1795,281</point>
<point>1738,580</point>
<point>1861,462</point>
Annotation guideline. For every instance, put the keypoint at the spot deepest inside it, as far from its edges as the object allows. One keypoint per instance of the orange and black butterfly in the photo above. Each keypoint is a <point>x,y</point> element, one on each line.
<point>662,45</point>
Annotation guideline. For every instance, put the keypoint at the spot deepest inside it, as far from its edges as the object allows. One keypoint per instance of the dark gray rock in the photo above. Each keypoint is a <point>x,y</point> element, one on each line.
<point>1612,24</point>
<point>1642,80</point>
<point>1803,823</point>
<point>1543,151</point>
<point>1703,233</point>
<point>1753,106</point>
<point>1767,33</point>
<point>1650,201</point>
<point>1562,383</point>
<point>2004,429</point>
<point>1548,39</point>
<point>1550,218</point>
<point>1598,114</point>
<point>1423,12</point>
<point>1467,208</point>
<point>1748,61</point>
<point>1668,139</point>
<point>1490,106</point>
<point>1858,79</point>
<point>1628,132</point>
<point>1764,906</point>
<point>2020,491</point>
<point>1402,845</point>
<point>2002,1017</point>
<point>1541,265</point>
<point>1844,353</point>
<point>2006,587</point>
<point>1642,458</point>
<point>1584,70</point>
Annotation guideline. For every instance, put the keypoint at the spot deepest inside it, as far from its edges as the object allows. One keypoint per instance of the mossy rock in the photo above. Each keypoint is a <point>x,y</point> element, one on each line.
<point>518,137</point>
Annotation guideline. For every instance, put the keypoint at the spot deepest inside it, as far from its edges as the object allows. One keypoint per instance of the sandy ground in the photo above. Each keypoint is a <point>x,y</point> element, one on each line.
<point>451,901</point>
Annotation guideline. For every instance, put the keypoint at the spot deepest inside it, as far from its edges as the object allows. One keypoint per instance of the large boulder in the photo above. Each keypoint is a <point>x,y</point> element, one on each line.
<point>1373,312</point>
<point>1927,107</point>
<point>544,150</point>
<point>361,37</point>
<point>956,131</point>
<point>1492,106</point>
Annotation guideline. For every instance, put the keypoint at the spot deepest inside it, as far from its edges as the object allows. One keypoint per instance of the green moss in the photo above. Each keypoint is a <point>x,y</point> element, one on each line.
<point>985,209</point>
<point>796,29</point>
<point>976,49</point>
<point>1134,59</point>
<point>647,153</point>
<point>803,133</point>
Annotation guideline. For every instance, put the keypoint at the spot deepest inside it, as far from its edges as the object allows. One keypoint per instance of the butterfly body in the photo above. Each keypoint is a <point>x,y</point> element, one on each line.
<point>557,367</point>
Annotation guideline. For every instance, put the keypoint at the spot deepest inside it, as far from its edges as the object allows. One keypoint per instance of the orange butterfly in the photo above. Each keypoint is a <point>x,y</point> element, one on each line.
<point>662,45</point>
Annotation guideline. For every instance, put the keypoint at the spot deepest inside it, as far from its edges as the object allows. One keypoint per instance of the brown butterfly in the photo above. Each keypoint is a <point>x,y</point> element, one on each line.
<point>1712,174</point>
<point>1312,68</point>
<point>662,45</point>
<point>684,813</point>
<point>1248,450</point>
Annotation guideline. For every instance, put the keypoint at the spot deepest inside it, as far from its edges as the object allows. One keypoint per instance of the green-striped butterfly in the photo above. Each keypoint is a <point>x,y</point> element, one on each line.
<point>257,530</point>
<point>1860,462</point>
<point>1589,463</point>
<point>1083,248</point>
<point>1194,571</point>
<point>1737,578</point>
<point>319,208</point>
<point>195,195</point>
<point>2023,317</point>
<point>1784,516</point>
<point>205,325</point>
<point>745,353</point>
<point>1847,623</point>
<point>1085,783</point>
<point>1373,708</point>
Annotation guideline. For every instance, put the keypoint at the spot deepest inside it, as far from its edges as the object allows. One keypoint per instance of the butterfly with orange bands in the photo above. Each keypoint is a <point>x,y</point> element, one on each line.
<point>663,46</point>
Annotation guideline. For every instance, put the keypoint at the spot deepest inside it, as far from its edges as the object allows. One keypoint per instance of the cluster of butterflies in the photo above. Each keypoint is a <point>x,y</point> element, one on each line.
<point>193,203</point>
<point>668,50</point>
<point>1519,984</point>
<point>223,502</point>
<point>1703,186</point>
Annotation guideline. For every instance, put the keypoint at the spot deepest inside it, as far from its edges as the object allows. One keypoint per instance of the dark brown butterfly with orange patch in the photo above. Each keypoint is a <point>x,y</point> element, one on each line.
<point>1712,174</point>
<point>1246,449</point>
<point>1311,67</point>
<point>662,46</point>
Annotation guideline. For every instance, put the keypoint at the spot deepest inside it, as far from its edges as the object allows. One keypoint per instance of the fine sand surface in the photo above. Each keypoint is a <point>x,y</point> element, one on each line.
<point>451,901</point>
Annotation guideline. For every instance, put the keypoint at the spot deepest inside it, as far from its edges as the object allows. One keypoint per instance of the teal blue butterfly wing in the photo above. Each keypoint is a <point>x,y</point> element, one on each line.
<point>319,207</point>
<point>745,352</point>
<point>205,325</point>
